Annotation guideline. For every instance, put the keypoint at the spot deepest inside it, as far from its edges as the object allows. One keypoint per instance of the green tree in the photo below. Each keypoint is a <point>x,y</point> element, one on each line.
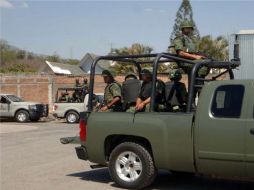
<point>53,58</point>
<point>72,61</point>
<point>184,13</point>
<point>8,53</point>
<point>135,49</point>
<point>215,48</point>
<point>21,54</point>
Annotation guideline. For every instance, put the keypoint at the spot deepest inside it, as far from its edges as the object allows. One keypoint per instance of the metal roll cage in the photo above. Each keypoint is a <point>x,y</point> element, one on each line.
<point>162,58</point>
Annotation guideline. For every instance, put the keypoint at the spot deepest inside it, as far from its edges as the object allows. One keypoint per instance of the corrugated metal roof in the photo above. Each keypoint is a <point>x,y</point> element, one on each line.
<point>86,62</point>
<point>66,69</point>
<point>246,32</point>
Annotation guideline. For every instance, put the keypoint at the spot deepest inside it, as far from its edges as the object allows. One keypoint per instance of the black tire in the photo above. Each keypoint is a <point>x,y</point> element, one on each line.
<point>147,173</point>
<point>22,116</point>
<point>72,117</point>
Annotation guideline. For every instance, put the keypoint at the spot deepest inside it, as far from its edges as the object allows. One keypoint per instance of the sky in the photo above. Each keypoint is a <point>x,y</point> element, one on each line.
<point>73,28</point>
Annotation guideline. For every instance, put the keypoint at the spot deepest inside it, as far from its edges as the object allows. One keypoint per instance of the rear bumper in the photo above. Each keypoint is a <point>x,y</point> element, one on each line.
<point>81,153</point>
<point>58,115</point>
<point>55,115</point>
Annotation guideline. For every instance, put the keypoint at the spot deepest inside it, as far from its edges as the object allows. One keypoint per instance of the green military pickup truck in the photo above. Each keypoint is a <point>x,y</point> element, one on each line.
<point>216,137</point>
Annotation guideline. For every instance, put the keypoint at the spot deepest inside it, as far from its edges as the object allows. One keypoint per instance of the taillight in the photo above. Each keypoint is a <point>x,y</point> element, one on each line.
<point>55,107</point>
<point>82,132</point>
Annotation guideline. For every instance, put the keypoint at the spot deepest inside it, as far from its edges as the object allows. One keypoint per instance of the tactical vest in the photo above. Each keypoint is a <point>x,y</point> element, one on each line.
<point>146,90</point>
<point>131,90</point>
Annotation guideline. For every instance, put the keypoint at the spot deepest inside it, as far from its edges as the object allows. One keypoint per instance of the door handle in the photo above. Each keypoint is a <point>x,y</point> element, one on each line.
<point>252,131</point>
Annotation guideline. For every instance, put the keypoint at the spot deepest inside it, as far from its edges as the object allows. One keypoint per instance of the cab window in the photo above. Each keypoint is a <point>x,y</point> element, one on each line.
<point>3,100</point>
<point>227,101</point>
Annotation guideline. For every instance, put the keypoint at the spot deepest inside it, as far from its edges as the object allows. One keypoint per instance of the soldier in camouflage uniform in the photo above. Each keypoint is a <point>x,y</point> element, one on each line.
<point>144,98</point>
<point>112,93</point>
<point>77,83</point>
<point>85,88</point>
<point>186,46</point>
<point>85,85</point>
<point>175,92</point>
<point>63,97</point>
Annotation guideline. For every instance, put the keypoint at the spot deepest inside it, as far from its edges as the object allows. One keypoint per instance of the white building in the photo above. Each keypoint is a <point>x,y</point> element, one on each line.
<point>244,42</point>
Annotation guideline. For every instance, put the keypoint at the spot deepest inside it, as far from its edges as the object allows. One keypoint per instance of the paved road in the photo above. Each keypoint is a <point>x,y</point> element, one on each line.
<point>33,159</point>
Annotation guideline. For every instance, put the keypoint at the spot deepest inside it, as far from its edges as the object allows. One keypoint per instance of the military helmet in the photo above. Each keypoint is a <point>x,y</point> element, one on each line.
<point>187,24</point>
<point>130,75</point>
<point>106,73</point>
<point>146,72</point>
<point>175,74</point>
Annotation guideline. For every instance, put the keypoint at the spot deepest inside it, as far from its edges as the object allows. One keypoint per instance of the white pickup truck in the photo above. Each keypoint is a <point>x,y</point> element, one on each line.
<point>12,106</point>
<point>70,106</point>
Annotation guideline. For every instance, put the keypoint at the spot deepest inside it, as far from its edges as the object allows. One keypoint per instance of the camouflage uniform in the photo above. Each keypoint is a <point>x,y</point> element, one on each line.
<point>111,91</point>
<point>77,84</point>
<point>189,44</point>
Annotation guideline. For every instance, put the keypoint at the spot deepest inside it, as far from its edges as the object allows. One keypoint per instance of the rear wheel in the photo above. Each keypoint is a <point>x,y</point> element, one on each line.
<point>131,166</point>
<point>22,116</point>
<point>72,117</point>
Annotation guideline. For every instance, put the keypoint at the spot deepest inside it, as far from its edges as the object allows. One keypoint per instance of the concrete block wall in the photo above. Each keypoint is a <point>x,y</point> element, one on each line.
<point>43,88</point>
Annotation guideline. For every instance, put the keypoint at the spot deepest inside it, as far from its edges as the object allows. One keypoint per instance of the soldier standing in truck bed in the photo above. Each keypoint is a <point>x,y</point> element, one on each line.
<point>186,46</point>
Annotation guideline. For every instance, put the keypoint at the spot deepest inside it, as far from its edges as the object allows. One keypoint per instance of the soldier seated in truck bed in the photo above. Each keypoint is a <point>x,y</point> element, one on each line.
<point>175,92</point>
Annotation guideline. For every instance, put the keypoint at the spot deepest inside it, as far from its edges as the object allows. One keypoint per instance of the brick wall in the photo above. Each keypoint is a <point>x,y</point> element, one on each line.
<point>28,87</point>
<point>43,88</point>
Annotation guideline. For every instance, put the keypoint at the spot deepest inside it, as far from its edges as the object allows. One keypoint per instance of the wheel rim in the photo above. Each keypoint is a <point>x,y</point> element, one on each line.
<point>128,166</point>
<point>21,117</point>
<point>72,118</point>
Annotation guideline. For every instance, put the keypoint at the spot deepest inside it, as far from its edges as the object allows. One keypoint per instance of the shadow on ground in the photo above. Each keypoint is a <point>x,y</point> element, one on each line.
<point>166,181</point>
<point>97,175</point>
<point>12,120</point>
